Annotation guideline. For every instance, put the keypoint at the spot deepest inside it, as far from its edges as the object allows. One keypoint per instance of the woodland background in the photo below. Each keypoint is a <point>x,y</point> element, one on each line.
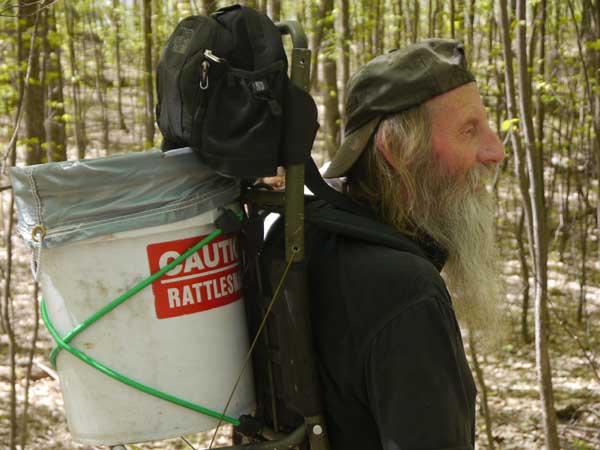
<point>77,81</point>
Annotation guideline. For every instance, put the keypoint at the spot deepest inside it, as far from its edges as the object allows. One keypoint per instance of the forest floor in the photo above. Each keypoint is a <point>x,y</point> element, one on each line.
<point>509,371</point>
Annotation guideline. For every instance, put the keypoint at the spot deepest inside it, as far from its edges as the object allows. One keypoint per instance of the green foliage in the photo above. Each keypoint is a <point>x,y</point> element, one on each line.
<point>593,45</point>
<point>28,141</point>
<point>578,444</point>
<point>509,125</point>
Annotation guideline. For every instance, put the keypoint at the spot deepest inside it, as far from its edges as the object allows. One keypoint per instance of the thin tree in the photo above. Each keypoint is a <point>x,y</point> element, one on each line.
<point>70,14</point>
<point>416,19</point>
<point>35,134</point>
<point>539,232</point>
<point>148,71</point>
<point>209,6</point>
<point>345,49</point>
<point>275,10</point>
<point>317,14</point>
<point>116,16</point>
<point>56,138</point>
<point>329,89</point>
<point>100,79</point>
<point>6,307</point>
<point>485,406</point>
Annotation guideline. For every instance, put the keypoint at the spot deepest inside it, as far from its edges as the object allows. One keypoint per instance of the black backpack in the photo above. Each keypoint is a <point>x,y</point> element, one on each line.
<point>223,90</point>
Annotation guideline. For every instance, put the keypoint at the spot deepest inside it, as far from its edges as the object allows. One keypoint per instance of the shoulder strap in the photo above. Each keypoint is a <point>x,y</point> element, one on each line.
<point>315,182</point>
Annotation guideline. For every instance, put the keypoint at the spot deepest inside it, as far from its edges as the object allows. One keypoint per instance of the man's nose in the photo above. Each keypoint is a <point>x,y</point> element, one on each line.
<point>492,150</point>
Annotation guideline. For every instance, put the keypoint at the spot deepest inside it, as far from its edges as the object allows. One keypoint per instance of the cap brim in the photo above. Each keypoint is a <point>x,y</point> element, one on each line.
<point>351,149</point>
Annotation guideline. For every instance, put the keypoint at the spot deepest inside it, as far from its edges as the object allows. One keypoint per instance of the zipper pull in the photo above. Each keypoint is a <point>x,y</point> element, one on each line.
<point>209,54</point>
<point>204,75</point>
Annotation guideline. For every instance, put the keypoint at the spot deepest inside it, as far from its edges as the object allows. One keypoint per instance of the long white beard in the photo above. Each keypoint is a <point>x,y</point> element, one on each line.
<point>459,215</point>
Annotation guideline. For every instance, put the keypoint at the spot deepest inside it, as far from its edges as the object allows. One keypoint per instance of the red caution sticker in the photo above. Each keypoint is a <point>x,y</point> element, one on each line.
<point>208,279</point>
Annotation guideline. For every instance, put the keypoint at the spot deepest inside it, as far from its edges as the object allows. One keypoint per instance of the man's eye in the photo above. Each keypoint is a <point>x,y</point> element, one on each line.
<point>470,131</point>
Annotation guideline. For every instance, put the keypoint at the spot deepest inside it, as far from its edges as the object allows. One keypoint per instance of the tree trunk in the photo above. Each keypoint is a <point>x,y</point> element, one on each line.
<point>262,6</point>
<point>511,110</point>
<point>438,19</point>
<point>485,407</point>
<point>6,316</point>
<point>275,10</point>
<point>407,22</point>
<point>34,100</point>
<point>525,279</point>
<point>399,18</point>
<point>117,22</point>
<point>157,39</point>
<point>540,107</point>
<point>452,19</point>
<point>100,80</point>
<point>540,256</point>
<point>31,354</point>
<point>209,6</point>
<point>25,54</point>
<point>430,21</point>
<point>564,217</point>
<point>415,20</point>
<point>345,46</point>
<point>470,30</point>
<point>459,20</point>
<point>55,125</point>
<point>318,20</point>
<point>378,27</point>
<point>149,94</point>
<point>78,122</point>
<point>591,62</point>
<point>581,304</point>
<point>329,89</point>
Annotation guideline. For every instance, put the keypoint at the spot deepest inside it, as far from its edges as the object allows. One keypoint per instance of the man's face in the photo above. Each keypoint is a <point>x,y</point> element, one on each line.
<point>453,207</point>
<point>460,134</point>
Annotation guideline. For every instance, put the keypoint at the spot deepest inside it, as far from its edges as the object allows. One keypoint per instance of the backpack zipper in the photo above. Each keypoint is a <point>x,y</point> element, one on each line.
<point>206,65</point>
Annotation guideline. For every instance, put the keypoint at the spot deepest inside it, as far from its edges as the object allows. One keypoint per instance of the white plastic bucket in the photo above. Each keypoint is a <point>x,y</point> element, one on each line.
<point>195,356</point>
<point>185,335</point>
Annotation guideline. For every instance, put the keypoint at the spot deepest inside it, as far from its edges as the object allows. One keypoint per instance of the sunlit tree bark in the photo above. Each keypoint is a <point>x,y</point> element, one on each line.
<point>148,79</point>
<point>329,88</point>
<point>76,100</point>
<point>55,125</point>
<point>539,232</point>
<point>34,100</point>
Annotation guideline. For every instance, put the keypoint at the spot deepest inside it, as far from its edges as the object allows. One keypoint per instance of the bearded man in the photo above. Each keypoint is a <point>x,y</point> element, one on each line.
<point>417,153</point>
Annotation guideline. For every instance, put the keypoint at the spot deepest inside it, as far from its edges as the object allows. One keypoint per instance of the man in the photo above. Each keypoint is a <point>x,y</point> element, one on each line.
<point>416,155</point>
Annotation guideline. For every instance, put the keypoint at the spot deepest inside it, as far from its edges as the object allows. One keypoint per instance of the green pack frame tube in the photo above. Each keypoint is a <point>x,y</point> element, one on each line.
<point>63,342</point>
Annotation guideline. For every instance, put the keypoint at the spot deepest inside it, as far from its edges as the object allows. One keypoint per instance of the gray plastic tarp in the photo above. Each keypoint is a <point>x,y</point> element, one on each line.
<point>76,200</point>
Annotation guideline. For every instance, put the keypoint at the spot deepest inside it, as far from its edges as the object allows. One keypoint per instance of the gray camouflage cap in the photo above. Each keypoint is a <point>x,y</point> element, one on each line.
<point>395,82</point>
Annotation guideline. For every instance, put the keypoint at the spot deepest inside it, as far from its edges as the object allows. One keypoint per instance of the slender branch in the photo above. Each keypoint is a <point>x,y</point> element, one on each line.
<point>564,323</point>
<point>37,11</point>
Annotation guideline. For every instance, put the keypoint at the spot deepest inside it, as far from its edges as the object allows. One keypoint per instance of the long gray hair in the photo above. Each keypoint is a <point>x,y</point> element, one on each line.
<point>391,191</point>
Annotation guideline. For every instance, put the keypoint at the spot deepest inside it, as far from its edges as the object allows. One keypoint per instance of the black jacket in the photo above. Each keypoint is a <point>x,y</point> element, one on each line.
<point>391,360</point>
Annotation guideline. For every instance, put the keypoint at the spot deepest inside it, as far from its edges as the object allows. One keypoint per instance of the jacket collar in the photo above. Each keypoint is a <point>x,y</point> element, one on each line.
<point>434,252</point>
<point>431,249</point>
